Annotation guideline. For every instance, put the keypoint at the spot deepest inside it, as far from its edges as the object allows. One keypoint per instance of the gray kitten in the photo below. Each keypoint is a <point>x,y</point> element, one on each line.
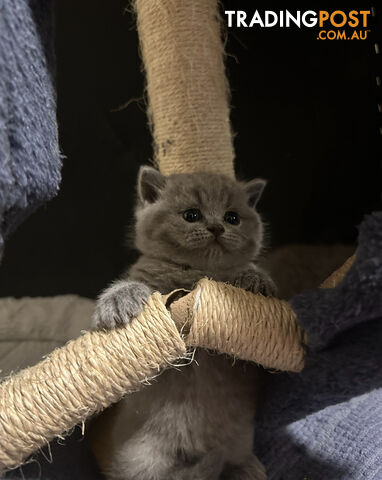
<point>195,423</point>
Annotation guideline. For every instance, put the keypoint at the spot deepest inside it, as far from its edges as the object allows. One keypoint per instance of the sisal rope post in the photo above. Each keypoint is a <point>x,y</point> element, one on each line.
<point>82,378</point>
<point>97,369</point>
<point>251,327</point>
<point>188,109</point>
<point>336,277</point>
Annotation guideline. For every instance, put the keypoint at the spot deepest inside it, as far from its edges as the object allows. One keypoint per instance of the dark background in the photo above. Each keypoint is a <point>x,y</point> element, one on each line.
<point>306,117</point>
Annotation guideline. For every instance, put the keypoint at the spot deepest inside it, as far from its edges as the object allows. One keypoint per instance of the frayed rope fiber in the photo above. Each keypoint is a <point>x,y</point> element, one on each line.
<point>187,89</point>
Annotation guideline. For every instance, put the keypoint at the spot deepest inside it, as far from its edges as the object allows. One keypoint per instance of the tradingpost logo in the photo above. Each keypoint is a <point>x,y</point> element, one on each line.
<point>333,25</point>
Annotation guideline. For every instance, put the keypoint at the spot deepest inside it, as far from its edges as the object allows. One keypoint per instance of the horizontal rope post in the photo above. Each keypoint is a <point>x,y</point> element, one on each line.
<point>90,373</point>
<point>251,327</point>
<point>82,378</point>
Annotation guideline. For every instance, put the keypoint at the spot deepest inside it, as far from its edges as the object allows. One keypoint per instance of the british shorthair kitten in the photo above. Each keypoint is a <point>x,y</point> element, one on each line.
<point>196,422</point>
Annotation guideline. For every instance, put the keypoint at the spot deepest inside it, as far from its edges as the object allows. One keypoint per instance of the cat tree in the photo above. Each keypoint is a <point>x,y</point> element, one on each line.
<point>188,109</point>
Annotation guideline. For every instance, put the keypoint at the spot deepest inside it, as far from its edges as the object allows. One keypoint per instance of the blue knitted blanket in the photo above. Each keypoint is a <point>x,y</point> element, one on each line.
<point>29,155</point>
<point>326,423</point>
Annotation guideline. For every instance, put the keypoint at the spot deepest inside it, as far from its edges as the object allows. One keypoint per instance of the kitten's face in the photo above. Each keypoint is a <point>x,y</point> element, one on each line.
<point>202,220</point>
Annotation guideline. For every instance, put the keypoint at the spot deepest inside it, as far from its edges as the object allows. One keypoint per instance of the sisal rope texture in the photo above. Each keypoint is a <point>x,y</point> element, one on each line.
<point>187,89</point>
<point>96,370</point>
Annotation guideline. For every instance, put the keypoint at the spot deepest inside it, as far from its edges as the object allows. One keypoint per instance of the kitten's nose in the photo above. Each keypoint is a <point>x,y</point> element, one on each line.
<point>216,229</point>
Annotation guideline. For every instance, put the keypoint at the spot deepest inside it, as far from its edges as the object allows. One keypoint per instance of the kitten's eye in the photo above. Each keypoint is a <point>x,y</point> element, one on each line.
<point>232,217</point>
<point>192,215</point>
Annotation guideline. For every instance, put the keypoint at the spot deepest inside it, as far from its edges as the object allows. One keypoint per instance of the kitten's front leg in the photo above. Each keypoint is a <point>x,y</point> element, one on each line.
<point>119,303</point>
<point>256,280</point>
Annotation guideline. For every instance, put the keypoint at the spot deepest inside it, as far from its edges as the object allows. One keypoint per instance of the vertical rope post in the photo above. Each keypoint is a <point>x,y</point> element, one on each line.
<point>188,108</point>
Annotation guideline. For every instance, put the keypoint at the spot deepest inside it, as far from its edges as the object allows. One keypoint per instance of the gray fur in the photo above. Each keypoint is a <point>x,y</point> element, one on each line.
<point>196,423</point>
<point>255,280</point>
<point>122,301</point>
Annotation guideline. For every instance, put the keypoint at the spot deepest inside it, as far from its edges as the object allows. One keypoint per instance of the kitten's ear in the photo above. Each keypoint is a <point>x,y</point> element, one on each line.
<point>254,190</point>
<point>150,183</point>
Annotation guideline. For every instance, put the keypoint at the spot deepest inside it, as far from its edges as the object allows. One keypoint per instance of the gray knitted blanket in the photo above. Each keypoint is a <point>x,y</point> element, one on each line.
<point>29,155</point>
<point>326,423</point>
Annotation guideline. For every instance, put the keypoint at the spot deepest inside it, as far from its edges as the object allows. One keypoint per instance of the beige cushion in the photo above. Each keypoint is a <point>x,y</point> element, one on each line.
<point>32,327</point>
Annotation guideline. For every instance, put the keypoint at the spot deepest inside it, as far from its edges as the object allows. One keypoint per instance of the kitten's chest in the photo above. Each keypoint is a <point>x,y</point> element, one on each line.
<point>165,277</point>
<point>181,277</point>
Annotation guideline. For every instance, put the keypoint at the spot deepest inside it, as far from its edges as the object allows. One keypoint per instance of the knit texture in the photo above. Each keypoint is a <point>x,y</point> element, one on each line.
<point>29,155</point>
<point>326,422</point>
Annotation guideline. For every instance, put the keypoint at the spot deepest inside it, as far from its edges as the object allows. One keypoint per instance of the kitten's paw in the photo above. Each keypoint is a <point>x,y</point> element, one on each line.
<point>118,304</point>
<point>256,282</point>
